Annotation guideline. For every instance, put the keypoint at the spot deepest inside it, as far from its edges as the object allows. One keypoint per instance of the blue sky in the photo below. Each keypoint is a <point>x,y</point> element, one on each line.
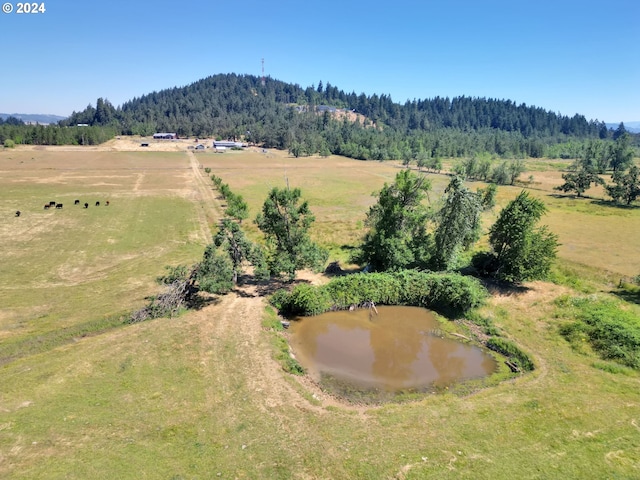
<point>564,55</point>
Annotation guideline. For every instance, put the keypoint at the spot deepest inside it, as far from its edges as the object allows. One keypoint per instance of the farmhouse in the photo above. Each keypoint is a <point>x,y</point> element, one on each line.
<point>165,136</point>
<point>227,144</point>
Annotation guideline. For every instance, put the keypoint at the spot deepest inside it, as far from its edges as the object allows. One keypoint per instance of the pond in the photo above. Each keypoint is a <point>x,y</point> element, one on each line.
<point>401,349</point>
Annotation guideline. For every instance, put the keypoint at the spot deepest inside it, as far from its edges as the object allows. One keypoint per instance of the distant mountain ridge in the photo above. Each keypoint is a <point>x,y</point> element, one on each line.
<point>41,118</point>
<point>633,127</point>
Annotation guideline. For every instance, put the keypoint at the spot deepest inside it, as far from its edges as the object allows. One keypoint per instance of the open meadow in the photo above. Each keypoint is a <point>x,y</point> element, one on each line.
<point>84,395</point>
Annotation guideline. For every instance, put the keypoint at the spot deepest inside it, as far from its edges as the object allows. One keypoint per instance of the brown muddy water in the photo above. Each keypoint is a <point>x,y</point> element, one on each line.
<point>399,350</point>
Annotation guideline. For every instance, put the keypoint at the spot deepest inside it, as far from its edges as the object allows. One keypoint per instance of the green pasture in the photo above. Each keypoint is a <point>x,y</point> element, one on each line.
<point>83,395</point>
<point>160,400</point>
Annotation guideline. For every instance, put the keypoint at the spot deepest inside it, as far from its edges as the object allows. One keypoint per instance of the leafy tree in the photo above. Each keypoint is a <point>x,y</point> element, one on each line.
<point>215,273</point>
<point>296,149</point>
<point>435,164</point>
<point>422,159</point>
<point>286,227</point>
<point>579,181</point>
<point>597,156</point>
<point>397,237</point>
<point>483,169</point>
<point>500,174</point>
<point>515,168</point>
<point>488,196</point>
<point>621,153</point>
<point>232,239</point>
<point>520,251</point>
<point>237,207</point>
<point>458,224</point>
<point>625,187</point>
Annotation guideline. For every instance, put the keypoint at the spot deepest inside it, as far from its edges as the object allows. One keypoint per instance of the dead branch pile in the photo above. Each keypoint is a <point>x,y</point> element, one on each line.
<point>178,296</point>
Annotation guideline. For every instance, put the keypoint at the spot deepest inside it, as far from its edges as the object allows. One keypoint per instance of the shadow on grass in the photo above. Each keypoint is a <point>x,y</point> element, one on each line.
<point>573,196</point>
<point>628,295</point>
<point>612,204</point>
<point>263,288</point>
<point>200,301</point>
<point>494,287</point>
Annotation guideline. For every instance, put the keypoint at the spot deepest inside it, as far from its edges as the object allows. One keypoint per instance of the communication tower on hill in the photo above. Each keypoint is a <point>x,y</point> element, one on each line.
<point>262,81</point>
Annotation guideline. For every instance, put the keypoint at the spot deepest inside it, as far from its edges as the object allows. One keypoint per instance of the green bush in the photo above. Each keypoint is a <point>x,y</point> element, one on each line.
<point>450,294</point>
<point>307,300</point>
<point>8,143</point>
<point>612,332</point>
<point>512,352</point>
<point>279,299</point>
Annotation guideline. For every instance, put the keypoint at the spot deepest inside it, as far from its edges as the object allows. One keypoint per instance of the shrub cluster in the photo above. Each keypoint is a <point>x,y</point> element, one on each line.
<point>612,332</point>
<point>447,293</point>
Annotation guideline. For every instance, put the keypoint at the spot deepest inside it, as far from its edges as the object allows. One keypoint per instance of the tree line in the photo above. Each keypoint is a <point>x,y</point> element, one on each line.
<point>286,116</point>
<point>599,158</point>
<point>403,233</point>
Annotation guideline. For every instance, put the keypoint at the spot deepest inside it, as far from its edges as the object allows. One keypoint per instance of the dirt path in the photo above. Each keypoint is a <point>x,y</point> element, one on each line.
<point>209,211</point>
<point>234,346</point>
<point>235,351</point>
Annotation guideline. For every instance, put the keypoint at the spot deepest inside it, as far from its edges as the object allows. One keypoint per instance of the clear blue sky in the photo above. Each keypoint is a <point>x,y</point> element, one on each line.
<point>567,56</point>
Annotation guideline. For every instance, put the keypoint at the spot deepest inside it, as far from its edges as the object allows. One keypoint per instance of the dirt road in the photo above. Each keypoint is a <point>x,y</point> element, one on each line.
<point>235,325</point>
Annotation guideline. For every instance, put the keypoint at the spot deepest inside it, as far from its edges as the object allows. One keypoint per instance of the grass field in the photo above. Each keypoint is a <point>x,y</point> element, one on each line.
<point>61,268</point>
<point>199,396</point>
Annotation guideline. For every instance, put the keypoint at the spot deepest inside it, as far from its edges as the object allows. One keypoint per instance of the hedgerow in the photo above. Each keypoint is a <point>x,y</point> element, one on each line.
<point>447,293</point>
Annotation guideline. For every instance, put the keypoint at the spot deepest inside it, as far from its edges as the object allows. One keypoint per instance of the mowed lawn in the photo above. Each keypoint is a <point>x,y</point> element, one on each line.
<point>64,267</point>
<point>186,398</point>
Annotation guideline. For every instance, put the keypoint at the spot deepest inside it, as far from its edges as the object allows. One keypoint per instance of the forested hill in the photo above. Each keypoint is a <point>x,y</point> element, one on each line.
<point>287,116</point>
<point>225,102</point>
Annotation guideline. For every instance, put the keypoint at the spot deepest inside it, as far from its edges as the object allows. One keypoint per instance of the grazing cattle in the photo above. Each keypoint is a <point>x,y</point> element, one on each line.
<point>52,204</point>
<point>17,213</point>
<point>46,206</point>
<point>59,205</point>
<point>97,204</point>
<point>86,205</point>
<point>107,203</point>
<point>77,202</point>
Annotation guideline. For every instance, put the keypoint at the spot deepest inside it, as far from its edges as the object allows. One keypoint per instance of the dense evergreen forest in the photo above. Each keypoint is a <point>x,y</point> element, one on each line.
<point>287,116</point>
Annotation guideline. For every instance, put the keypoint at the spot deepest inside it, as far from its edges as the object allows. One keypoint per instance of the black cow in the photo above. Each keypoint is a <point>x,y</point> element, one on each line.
<point>46,206</point>
<point>86,205</point>
<point>59,205</point>
<point>52,204</point>
<point>97,204</point>
<point>17,213</point>
<point>77,202</point>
